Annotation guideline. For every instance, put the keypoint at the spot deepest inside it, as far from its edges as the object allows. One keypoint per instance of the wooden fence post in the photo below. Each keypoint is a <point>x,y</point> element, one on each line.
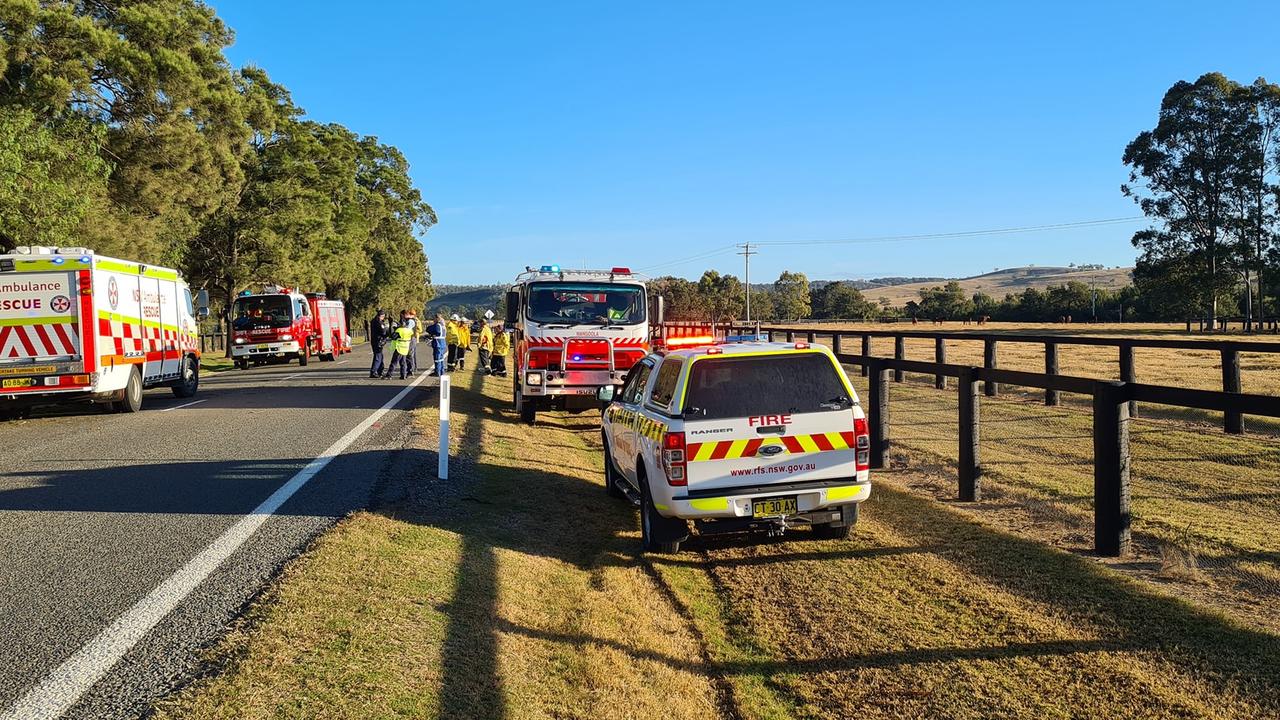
<point>970,466</point>
<point>1128,374</point>
<point>878,413</point>
<point>1051,396</point>
<point>791,336</point>
<point>769,334</point>
<point>989,362</point>
<point>811,337</point>
<point>866,352</point>
<point>940,357</point>
<point>1233,421</point>
<point>899,353</point>
<point>1111,519</point>
<point>837,347</point>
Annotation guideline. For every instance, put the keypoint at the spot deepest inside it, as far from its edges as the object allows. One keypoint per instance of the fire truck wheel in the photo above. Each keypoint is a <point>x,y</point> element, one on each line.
<point>189,378</point>
<point>304,355</point>
<point>242,364</point>
<point>132,400</point>
<point>611,478</point>
<point>654,529</point>
<point>524,408</point>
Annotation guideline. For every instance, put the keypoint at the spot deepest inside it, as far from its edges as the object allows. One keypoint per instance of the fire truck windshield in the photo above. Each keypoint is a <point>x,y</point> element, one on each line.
<point>261,311</point>
<point>587,303</point>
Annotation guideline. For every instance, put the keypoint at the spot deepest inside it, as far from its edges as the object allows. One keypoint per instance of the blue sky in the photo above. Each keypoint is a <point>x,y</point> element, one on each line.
<point>645,134</point>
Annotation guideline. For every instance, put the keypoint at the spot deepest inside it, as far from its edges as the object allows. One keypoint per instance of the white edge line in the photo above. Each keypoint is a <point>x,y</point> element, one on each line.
<point>290,377</point>
<point>179,407</point>
<point>62,688</point>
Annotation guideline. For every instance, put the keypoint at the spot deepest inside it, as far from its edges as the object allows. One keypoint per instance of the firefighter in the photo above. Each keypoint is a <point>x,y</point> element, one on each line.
<point>436,331</point>
<point>411,321</point>
<point>501,346</point>
<point>464,342</point>
<point>379,332</point>
<point>451,337</point>
<point>400,345</point>
<point>485,345</point>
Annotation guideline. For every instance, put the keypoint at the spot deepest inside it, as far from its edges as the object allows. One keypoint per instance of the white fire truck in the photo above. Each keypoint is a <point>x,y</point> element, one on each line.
<point>78,326</point>
<point>575,331</point>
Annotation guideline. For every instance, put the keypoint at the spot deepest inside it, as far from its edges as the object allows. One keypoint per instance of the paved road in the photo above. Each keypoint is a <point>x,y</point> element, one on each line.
<point>97,510</point>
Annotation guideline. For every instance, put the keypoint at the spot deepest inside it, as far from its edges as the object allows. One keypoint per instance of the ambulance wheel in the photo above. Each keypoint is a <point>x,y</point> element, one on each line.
<point>132,400</point>
<point>303,356</point>
<point>655,529</point>
<point>189,378</point>
<point>611,478</point>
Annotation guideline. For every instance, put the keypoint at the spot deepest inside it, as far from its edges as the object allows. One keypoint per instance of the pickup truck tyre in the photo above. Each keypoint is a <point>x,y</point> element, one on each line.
<point>654,526</point>
<point>834,531</point>
<point>610,474</point>
<point>188,378</point>
<point>131,401</point>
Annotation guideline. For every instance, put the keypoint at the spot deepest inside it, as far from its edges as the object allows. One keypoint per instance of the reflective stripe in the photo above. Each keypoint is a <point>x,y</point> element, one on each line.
<point>791,444</point>
<point>660,506</point>
<point>848,492</point>
<point>13,322</point>
<point>710,504</point>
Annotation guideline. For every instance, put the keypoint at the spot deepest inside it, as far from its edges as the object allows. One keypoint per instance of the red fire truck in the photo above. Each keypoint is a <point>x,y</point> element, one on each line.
<point>575,331</point>
<point>281,324</point>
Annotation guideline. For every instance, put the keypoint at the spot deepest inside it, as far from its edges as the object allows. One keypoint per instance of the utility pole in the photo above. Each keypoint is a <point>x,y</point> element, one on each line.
<point>746,254</point>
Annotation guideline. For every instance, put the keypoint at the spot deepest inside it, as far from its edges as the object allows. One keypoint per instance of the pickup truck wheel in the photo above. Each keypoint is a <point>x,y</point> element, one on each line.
<point>188,378</point>
<point>611,478</point>
<point>653,525</point>
<point>132,400</point>
<point>832,531</point>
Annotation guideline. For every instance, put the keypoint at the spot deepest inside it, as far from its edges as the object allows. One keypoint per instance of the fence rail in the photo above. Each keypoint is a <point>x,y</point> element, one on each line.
<point>1111,400</point>
<point>1228,350</point>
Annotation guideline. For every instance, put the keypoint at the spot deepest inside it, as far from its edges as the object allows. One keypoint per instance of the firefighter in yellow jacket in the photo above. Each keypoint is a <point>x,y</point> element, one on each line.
<point>451,337</point>
<point>485,345</point>
<point>464,342</point>
<point>501,346</point>
<point>402,341</point>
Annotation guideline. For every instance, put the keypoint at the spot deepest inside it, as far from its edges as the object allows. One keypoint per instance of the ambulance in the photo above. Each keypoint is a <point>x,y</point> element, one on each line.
<point>737,436</point>
<point>76,326</point>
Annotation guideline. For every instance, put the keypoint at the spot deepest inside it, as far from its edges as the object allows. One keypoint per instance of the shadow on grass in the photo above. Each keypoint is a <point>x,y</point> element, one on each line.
<point>495,508</point>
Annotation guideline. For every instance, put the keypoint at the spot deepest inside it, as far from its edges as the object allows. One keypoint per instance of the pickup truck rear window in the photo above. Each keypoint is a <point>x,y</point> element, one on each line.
<point>768,385</point>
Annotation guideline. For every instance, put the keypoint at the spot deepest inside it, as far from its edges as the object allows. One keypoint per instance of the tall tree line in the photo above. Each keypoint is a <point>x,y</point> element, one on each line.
<point>123,128</point>
<point>1208,174</point>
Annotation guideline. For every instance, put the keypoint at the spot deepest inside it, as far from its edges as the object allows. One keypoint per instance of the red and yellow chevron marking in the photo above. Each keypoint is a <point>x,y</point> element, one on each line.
<point>791,445</point>
<point>646,426</point>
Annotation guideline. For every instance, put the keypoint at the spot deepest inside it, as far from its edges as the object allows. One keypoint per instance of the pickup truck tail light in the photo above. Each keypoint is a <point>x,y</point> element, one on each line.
<point>673,459</point>
<point>862,443</point>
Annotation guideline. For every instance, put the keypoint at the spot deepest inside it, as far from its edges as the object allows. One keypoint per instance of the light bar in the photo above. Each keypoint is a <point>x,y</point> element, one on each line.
<point>690,341</point>
<point>551,268</point>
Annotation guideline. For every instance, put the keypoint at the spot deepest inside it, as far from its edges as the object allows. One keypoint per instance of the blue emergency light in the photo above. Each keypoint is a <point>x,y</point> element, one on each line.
<point>85,258</point>
<point>58,261</point>
<point>551,268</point>
<point>747,338</point>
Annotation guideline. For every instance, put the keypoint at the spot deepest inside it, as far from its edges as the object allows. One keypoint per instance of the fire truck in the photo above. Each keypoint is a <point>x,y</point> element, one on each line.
<point>575,331</point>
<point>77,326</point>
<point>281,324</point>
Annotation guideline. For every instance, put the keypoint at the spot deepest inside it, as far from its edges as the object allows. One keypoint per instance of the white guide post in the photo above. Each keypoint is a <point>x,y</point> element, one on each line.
<point>442,470</point>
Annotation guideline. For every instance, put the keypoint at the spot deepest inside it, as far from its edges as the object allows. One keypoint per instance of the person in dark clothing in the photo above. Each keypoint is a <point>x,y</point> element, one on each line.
<point>379,334</point>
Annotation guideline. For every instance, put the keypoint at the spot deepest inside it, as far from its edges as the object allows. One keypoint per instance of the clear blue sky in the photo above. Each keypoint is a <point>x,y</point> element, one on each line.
<point>640,134</point>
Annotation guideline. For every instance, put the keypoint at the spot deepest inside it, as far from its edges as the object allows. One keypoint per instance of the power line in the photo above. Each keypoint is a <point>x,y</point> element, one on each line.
<point>965,233</point>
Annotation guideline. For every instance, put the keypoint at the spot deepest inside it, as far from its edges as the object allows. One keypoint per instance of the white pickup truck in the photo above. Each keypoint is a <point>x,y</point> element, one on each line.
<point>736,437</point>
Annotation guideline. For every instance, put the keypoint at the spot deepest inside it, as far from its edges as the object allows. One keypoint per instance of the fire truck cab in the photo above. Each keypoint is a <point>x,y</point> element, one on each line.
<point>575,331</point>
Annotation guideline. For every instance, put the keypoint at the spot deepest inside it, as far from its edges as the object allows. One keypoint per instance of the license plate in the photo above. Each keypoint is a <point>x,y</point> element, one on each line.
<point>29,370</point>
<point>264,347</point>
<point>773,507</point>
<point>18,382</point>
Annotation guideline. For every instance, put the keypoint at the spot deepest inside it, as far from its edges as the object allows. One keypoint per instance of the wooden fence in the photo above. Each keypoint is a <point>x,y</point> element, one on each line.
<point>1229,350</point>
<point>1111,403</point>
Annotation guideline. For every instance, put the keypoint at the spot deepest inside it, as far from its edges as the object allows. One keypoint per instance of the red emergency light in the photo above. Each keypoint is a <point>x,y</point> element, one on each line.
<point>621,271</point>
<point>690,341</point>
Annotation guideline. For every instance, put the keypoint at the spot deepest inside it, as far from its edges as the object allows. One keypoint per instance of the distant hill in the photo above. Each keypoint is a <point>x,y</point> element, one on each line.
<point>464,298</point>
<point>1010,280</point>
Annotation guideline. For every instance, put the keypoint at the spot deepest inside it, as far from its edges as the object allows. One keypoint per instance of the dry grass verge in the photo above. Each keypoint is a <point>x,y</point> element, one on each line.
<point>514,590</point>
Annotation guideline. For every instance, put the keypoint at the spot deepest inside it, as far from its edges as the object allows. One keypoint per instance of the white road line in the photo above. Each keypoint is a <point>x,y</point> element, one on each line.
<point>63,687</point>
<point>342,362</point>
<point>179,407</point>
<point>290,377</point>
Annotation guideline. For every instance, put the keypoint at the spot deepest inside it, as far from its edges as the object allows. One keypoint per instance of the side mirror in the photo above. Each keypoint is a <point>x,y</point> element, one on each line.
<point>513,307</point>
<point>202,304</point>
<point>605,393</point>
